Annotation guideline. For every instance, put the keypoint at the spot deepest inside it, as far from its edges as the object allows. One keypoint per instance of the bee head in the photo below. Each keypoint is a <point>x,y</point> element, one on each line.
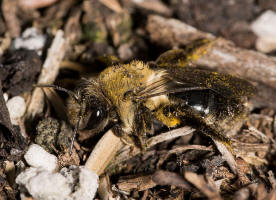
<point>87,108</point>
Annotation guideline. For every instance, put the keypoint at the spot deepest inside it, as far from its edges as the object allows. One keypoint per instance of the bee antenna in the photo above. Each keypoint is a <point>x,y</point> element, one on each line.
<point>60,89</point>
<point>75,133</point>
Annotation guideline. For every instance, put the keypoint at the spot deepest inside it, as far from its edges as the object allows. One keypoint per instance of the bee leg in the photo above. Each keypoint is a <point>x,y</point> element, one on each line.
<point>184,57</point>
<point>125,138</point>
<point>143,126</point>
<point>177,111</point>
<point>210,129</point>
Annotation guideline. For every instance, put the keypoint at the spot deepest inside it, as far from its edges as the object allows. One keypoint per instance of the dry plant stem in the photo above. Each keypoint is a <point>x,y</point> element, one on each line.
<point>49,72</point>
<point>181,148</point>
<point>169,135</point>
<point>103,152</point>
<point>224,56</point>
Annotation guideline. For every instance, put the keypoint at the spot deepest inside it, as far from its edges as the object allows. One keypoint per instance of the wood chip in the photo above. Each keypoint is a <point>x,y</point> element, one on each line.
<point>139,183</point>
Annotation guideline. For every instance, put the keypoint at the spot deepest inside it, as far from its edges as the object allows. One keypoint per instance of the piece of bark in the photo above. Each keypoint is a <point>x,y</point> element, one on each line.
<point>138,183</point>
<point>223,56</point>
<point>162,177</point>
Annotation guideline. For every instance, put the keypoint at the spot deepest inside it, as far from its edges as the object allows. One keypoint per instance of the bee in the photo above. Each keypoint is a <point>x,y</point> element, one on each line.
<point>130,97</point>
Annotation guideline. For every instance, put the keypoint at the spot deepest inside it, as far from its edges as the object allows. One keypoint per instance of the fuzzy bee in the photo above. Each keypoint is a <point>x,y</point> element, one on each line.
<point>131,97</point>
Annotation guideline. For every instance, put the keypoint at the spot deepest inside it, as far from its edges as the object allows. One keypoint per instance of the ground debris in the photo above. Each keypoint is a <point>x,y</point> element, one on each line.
<point>19,70</point>
<point>77,39</point>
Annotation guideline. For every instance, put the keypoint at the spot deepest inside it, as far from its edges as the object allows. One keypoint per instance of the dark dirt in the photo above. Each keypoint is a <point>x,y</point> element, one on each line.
<point>9,138</point>
<point>19,70</point>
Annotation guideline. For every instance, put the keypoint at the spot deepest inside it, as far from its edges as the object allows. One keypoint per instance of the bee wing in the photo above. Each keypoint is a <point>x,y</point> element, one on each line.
<point>226,85</point>
<point>176,80</point>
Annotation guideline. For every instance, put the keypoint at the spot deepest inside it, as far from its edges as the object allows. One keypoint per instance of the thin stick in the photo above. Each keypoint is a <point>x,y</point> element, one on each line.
<point>48,73</point>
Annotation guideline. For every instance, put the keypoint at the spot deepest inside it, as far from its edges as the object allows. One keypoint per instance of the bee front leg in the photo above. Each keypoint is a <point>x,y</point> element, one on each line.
<point>143,125</point>
<point>124,136</point>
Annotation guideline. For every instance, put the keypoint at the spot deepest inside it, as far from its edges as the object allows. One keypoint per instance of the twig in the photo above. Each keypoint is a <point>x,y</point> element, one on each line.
<point>48,73</point>
<point>169,135</point>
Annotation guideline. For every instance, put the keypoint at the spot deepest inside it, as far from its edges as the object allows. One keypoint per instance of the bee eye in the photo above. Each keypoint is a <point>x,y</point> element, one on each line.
<point>96,117</point>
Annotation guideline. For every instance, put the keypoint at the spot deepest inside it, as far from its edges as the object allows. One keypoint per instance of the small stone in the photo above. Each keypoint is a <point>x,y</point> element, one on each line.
<point>44,185</point>
<point>83,181</point>
<point>6,97</point>
<point>264,28</point>
<point>17,108</point>
<point>31,40</point>
<point>47,133</point>
<point>36,156</point>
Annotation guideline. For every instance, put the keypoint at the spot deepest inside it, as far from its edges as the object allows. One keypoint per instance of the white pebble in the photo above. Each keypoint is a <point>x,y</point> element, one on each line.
<point>31,40</point>
<point>17,108</point>
<point>36,156</point>
<point>264,28</point>
<point>87,186</point>
<point>84,182</point>
<point>6,97</point>
<point>44,185</point>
